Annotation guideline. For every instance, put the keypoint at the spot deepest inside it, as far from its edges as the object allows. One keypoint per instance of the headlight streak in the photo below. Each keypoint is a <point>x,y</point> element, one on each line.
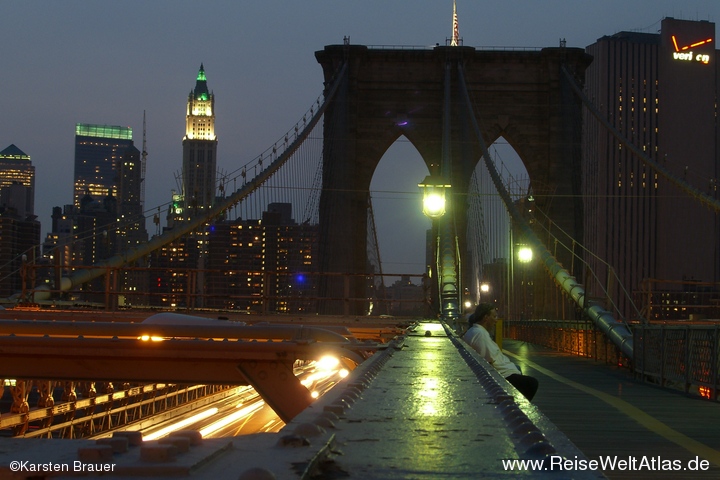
<point>243,412</point>
<point>181,424</point>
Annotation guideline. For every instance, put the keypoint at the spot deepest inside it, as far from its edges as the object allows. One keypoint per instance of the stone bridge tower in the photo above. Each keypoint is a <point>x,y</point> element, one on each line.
<point>519,95</point>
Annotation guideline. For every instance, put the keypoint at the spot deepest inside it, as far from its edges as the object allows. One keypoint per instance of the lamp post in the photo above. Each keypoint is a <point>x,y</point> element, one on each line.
<point>434,206</point>
<point>433,190</point>
<point>524,256</point>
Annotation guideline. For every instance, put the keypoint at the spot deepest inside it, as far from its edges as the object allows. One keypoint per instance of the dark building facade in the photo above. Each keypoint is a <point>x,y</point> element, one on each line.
<point>174,279</point>
<point>131,228</point>
<point>659,91</point>
<point>19,245</point>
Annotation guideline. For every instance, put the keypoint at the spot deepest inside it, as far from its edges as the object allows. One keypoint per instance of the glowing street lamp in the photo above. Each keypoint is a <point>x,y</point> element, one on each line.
<point>524,254</point>
<point>433,189</point>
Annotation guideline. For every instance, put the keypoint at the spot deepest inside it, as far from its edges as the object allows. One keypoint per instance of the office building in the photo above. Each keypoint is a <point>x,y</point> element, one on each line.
<point>19,228</point>
<point>660,92</point>
<point>98,149</point>
<point>262,265</point>
<point>131,227</point>
<point>19,246</point>
<point>17,181</point>
<point>199,149</point>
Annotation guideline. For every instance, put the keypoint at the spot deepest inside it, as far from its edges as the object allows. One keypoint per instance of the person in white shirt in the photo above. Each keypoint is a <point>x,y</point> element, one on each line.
<point>477,336</point>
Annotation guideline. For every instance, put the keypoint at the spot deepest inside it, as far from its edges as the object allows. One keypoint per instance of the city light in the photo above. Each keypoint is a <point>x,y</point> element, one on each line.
<point>434,205</point>
<point>525,254</point>
<point>327,362</point>
<point>433,190</point>
<point>150,338</point>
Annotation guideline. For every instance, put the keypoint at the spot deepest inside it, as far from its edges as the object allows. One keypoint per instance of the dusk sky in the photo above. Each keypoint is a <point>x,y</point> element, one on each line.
<point>105,62</point>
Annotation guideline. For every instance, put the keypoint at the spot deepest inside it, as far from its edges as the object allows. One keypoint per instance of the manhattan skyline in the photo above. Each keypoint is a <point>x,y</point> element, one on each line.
<point>108,62</point>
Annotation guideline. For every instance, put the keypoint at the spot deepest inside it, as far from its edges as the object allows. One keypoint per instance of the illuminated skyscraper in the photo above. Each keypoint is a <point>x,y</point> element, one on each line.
<point>98,149</point>
<point>199,149</point>
<point>17,181</point>
<point>19,229</point>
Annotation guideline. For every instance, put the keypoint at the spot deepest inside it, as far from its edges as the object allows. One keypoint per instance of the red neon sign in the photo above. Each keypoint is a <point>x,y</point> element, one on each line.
<point>696,44</point>
<point>684,53</point>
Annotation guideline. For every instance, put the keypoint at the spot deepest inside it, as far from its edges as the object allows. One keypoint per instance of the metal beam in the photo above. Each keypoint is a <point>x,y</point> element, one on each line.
<point>267,366</point>
<point>276,383</point>
<point>207,329</point>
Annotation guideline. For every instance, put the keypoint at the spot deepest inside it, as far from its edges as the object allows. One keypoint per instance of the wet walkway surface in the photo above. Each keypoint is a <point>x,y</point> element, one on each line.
<point>650,432</point>
<point>431,409</point>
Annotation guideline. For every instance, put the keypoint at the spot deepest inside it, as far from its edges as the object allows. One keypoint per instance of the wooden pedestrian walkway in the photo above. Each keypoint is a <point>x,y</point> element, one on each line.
<point>609,415</point>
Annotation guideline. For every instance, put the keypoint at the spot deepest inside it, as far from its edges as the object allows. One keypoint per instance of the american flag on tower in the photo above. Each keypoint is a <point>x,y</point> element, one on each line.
<point>456,29</point>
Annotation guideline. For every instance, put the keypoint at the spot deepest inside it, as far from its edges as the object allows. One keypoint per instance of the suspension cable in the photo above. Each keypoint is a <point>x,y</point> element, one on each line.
<point>678,182</point>
<point>618,332</point>
<point>183,228</point>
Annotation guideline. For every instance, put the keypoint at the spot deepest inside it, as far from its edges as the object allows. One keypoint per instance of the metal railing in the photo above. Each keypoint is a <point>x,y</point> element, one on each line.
<point>233,290</point>
<point>81,410</point>
<point>578,337</point>
<point>678,300</point>
<point>683,357</point>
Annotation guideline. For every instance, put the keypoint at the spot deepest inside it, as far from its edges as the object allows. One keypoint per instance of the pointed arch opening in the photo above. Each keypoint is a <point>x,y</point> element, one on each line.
<point>489,237</point>
<point>400,226</point>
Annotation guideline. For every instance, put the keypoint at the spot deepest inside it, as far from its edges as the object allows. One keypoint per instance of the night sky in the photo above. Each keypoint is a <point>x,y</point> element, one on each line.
<point>82,61</point>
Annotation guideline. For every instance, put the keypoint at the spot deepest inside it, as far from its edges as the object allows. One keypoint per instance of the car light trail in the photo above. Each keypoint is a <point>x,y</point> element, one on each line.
<point>244,412</point>
<point>181,424</point>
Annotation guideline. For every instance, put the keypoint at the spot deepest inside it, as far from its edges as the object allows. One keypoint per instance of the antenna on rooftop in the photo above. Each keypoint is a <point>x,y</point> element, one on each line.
<point>455,41</point>
<point>143,162</point>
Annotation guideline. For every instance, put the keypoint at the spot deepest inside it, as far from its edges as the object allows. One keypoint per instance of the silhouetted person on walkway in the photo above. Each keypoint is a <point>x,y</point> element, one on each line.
<point>481,322</point>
